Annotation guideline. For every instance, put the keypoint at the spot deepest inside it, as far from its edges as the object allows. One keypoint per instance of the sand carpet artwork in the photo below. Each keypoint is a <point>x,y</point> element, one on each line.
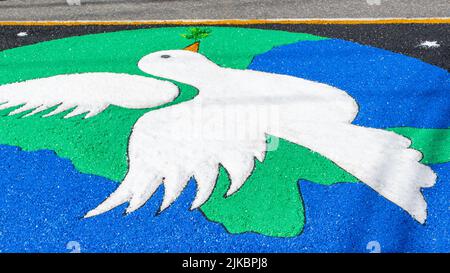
<point>256,137</point>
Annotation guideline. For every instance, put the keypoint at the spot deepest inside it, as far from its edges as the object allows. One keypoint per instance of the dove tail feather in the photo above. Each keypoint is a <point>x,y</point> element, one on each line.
<point>379,158</point>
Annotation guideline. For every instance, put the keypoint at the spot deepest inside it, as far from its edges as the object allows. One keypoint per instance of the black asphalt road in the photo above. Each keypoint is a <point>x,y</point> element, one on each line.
<point>218,9</point>
<point>400,38</point>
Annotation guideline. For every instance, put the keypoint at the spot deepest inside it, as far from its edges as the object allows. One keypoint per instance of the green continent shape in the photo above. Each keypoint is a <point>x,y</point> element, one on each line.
<point>99,145</point>
<point>270,201</point>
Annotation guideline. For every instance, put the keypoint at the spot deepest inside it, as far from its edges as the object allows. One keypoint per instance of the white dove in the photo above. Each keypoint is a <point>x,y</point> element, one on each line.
<point>192,139</point>
<point>311,114</point>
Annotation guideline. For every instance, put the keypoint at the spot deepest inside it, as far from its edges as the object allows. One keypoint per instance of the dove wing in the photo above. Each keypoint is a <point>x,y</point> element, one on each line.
<point>83,93</point>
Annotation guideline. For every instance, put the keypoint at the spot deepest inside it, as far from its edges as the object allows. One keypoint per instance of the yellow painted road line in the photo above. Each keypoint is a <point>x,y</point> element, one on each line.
<point>236,22</point>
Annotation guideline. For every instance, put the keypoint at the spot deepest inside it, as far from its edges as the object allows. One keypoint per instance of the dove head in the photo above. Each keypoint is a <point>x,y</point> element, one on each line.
<point>184,66</point>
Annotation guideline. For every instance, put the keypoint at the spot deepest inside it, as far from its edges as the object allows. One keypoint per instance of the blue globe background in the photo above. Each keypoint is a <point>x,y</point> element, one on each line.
<point>43,197</point>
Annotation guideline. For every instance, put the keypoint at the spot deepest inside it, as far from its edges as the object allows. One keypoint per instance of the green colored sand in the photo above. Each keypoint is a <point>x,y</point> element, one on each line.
<point>98,145</point>
<point>433,143</point>
<point>277,177</point>
<point>269,203</point>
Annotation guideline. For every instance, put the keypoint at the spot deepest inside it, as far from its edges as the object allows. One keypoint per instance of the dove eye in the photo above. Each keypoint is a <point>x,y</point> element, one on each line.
<point>165,56</point>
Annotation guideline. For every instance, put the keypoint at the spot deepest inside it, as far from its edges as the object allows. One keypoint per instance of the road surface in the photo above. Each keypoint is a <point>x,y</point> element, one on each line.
<point>11,10</point>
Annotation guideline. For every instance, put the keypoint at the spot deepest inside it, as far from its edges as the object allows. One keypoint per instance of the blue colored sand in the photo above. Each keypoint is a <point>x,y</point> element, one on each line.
<point>392,90</point>
<point>43,198</point>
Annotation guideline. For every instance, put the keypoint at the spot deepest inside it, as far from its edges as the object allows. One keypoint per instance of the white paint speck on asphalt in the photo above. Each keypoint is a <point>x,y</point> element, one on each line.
<point>74,2</point>
<point>429,44</point>
<point>374,2</point>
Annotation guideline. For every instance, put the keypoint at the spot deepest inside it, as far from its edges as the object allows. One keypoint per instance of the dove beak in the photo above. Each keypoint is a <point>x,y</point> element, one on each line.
<point>194,47</point>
